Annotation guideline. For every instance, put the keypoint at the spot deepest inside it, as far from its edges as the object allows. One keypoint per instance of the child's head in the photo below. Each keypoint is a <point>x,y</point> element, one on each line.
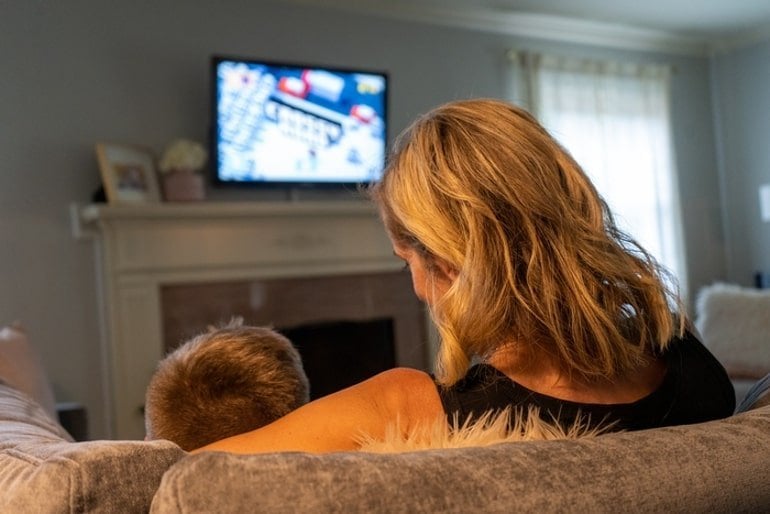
<point>224,382</point>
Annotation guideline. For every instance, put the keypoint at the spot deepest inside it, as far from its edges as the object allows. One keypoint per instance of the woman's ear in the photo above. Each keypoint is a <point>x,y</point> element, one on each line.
<point>446,269</point>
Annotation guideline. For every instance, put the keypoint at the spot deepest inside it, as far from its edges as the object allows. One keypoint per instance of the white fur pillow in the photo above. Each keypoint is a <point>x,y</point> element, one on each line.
<point>734,323</point>
<point>505,426</point>
<point>21,368</point>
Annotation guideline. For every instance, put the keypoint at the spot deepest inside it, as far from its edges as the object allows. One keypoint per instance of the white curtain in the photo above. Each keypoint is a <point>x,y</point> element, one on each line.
<point>614,119</point>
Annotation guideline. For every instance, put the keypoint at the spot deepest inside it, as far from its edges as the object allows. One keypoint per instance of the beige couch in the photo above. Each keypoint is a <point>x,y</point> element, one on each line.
<point>719,466</point>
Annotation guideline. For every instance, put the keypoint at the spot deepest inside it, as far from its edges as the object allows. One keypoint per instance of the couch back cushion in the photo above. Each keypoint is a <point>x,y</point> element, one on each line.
<point>42,470</point>
<point>712,467</point>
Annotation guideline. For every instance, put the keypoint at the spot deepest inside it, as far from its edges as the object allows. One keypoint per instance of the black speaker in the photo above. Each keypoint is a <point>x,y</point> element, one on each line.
<point>74,418</point>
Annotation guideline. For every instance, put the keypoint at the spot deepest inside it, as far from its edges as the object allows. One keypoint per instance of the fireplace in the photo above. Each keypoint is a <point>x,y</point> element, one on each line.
<point>347,327</point>
<point>166,271</point>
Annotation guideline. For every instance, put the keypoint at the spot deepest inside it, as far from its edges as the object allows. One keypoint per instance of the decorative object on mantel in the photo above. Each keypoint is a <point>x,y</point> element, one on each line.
<point>181,166</point>
<point>128,173</point>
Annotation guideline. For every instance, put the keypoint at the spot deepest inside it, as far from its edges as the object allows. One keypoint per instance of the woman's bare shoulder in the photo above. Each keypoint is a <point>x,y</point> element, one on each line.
<point>405,392</point>
<point>405,377</point>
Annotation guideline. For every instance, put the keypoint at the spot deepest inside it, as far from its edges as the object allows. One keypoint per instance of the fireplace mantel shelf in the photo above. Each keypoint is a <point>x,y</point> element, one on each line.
<point>232,239</point>
<point>207,210</point>
<point>140,249</point>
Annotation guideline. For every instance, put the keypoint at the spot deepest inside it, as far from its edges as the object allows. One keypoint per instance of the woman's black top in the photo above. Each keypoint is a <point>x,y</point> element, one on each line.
<point>694,389</point>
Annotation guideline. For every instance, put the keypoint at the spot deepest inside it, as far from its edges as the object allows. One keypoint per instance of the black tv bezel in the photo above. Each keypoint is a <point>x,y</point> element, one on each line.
<point>287,185</point>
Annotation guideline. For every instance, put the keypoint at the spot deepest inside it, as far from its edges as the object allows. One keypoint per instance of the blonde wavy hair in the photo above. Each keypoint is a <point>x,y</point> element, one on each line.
<point>481,186</point>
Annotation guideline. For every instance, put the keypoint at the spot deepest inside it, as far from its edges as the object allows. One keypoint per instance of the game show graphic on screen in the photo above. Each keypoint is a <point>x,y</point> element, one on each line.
<point>277,123</point>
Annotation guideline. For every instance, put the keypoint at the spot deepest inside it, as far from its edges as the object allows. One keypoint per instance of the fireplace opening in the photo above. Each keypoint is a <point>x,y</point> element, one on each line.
<point>338,354</point>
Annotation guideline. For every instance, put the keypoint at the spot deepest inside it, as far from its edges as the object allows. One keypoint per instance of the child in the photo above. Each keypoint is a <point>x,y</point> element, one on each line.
<point>224,382</point>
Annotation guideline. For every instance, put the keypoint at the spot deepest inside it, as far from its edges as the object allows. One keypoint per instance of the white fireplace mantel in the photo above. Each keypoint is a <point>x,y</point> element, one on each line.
<point>141,248</point>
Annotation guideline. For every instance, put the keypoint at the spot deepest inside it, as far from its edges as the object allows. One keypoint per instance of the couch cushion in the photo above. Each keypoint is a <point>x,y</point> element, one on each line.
<point>734,323</point>
<point>41,470</point>
<point>712,467</point>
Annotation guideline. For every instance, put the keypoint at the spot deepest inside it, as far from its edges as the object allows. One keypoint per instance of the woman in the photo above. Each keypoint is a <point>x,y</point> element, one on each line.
<point>524,270</point>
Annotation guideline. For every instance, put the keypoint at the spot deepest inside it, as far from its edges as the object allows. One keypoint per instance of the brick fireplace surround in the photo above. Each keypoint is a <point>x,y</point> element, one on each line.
<point>237,259</point>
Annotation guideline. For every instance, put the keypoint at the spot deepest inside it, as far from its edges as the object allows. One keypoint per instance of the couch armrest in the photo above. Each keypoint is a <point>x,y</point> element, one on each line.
<point>42,470</point>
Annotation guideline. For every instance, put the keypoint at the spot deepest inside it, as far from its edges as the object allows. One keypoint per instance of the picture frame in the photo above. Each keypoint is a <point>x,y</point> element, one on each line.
<point>128,173</point>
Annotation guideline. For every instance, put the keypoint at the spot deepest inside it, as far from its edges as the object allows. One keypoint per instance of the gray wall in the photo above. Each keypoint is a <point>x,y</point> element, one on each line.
<point>80,71</point>
<point>741,80</point>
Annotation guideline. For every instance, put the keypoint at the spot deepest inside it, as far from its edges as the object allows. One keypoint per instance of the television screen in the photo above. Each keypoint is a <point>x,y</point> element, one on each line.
<point>280,124</point>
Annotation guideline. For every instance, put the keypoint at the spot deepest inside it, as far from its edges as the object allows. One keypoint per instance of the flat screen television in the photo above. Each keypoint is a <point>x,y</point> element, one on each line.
<point>277,124</point>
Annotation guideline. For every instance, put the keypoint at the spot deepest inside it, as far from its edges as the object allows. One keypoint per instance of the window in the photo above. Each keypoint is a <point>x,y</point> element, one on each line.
<point>614,120</point>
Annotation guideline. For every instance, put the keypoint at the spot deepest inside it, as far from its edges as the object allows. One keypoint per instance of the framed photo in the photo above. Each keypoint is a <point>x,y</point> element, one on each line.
<point>128,173</point>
